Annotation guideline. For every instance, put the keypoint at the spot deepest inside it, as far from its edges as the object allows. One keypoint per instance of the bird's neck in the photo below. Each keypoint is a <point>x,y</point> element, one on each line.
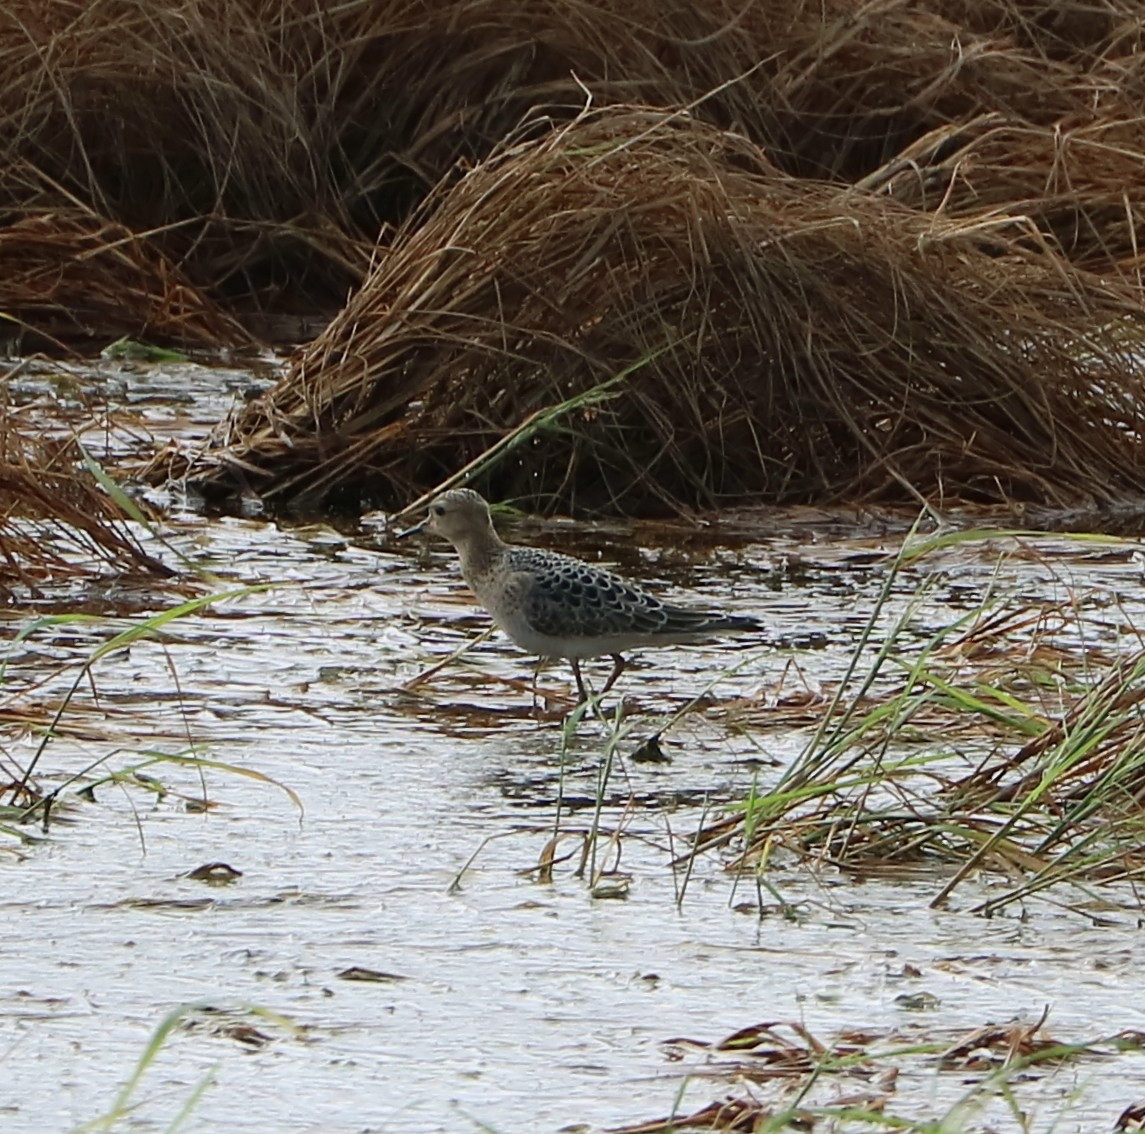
<point>481,555</point>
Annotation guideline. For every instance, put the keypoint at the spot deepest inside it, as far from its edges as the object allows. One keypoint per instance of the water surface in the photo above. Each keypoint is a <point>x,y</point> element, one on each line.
<point>498,1001</point>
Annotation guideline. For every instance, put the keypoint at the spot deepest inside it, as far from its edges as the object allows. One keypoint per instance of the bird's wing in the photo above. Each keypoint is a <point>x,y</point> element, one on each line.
<point>568,598</point>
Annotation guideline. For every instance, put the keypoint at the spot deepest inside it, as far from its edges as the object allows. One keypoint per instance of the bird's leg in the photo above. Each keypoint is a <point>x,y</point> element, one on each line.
<point>579,680</point>
<point>536,678</point>
<point>587,698</point>
<point>617,670</point>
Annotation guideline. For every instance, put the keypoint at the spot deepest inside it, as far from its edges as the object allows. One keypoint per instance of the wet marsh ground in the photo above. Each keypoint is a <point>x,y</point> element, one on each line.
<point>387,957</point>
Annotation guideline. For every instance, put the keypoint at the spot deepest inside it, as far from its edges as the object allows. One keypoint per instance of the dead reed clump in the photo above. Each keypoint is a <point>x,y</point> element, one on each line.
<point>706,329</point>
<point>1079,182</point>
<point>867,82</point>
<point>69,276</point>
<point>263,146</point>
<point>637,312</point>
<point>1073,30</point>
<point>56,523</point>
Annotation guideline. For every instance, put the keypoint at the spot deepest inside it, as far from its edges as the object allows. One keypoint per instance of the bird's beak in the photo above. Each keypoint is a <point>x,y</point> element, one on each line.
<point>412,531</point>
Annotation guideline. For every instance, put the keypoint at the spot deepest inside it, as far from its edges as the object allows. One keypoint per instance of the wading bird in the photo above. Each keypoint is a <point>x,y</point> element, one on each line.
<point>557,606</point>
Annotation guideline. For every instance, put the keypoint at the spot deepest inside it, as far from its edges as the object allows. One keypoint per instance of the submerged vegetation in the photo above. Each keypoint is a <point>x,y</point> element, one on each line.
<point>862,1078</point>
<point>46,708</point>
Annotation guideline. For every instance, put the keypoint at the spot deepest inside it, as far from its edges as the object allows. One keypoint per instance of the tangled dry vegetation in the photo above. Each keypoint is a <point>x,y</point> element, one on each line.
<point>651,257</point>
<point>70,276</point>
<point>56,523</point>
<point>787,1078</point>
<point>694,327</point>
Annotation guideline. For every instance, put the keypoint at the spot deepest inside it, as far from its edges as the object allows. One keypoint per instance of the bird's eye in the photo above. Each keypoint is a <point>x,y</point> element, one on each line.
<point>438,509</point>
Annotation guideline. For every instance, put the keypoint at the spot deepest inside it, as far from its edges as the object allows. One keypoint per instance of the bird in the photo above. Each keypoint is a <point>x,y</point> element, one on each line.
<point>557,606</point>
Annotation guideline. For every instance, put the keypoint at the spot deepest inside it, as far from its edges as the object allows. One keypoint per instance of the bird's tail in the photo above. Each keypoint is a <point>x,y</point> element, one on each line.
<point>733,624</point>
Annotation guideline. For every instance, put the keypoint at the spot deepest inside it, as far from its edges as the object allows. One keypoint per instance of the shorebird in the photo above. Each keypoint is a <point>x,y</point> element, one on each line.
<point>559,607</point>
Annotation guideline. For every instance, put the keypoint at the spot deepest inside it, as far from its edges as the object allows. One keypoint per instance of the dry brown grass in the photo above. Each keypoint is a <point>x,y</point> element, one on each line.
<point>70,277</point>
<point>56,523</point>
<point>266,150</point>
<point>773,337</point>
<point>1079,183</point>
<point>265,144</point>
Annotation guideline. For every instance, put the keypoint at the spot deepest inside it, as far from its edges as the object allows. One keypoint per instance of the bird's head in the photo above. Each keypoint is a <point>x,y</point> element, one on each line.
<point>459,516</point>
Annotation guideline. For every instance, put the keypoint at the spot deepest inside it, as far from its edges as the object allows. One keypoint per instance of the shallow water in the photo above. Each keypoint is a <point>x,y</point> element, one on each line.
<point>505,1002</point>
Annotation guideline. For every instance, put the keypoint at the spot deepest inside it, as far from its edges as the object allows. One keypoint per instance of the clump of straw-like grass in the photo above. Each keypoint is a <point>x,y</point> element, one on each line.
<point>1074,31</point>
<point>56,522</point>
<point>263,146</point>
<point>1079,183</point>
<point>69,276</point>
<point>789,338</point>
<point>654,317</point>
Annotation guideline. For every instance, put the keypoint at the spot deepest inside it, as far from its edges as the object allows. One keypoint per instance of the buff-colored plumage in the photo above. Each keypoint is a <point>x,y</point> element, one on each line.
<point>557,606</point>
